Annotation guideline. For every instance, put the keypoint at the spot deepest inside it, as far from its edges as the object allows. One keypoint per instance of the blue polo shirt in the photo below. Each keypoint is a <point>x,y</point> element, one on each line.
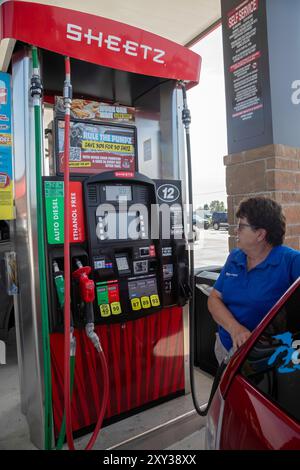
<point>249,295</point>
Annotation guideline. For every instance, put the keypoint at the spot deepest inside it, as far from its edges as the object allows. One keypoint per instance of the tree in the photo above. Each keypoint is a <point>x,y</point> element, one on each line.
<point>206,207</point>
<point>217,206</point>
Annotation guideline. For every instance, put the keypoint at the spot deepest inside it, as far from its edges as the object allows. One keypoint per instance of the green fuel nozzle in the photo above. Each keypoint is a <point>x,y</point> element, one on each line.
<point>59,284</point>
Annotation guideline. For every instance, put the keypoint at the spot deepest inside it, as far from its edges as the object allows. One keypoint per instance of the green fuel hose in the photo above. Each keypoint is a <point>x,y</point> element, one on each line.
<point>36,92</point>
<point>62,433</point>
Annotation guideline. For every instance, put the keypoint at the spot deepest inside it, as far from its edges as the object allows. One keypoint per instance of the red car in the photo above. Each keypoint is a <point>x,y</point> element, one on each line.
<point>257,403</point>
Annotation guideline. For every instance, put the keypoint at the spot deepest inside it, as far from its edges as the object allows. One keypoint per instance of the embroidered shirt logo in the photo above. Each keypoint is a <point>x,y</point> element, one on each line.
<point>231,274</point>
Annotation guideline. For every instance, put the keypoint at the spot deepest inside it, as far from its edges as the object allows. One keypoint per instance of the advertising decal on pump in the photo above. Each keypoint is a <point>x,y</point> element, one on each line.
<point>96,146</point>
<point>6,171</point>
<point>95,110</point>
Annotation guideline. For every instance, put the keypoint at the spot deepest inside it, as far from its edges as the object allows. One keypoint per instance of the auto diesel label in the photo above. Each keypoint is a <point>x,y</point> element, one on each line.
<point>54,202</point>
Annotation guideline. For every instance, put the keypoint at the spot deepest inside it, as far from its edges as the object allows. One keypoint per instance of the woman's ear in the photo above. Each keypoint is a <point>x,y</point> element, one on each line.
<point>261,234</point>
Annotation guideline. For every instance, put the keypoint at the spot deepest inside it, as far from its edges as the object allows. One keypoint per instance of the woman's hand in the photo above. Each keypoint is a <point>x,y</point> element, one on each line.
<point>220,313</point>
<point>239,335</point>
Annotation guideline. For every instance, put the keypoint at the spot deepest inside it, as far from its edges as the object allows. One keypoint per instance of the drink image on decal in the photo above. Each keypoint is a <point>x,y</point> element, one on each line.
<point>3,92</point>
<point>4,180</point>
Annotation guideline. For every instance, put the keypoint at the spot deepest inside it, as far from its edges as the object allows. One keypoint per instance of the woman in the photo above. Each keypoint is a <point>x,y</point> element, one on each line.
<point>255,276</point>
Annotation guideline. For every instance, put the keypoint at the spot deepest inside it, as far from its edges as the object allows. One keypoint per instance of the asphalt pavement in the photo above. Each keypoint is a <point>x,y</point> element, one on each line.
<point>211,248</point>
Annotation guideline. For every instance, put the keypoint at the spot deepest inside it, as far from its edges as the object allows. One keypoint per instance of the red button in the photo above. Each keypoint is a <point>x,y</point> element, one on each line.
<point>113,293</point>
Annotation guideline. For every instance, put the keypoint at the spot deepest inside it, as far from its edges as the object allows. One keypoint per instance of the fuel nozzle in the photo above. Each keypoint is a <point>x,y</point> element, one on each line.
<point>59,284</point>
<point>86,285</point>
<point>87,293</point>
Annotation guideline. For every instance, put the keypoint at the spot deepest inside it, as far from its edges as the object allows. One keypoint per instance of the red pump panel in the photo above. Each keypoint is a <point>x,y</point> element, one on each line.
<point>145,360</point>
<point>98,40</point>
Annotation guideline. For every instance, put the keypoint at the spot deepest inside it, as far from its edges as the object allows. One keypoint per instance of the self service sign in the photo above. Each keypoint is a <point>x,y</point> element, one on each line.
<point>6,173</point>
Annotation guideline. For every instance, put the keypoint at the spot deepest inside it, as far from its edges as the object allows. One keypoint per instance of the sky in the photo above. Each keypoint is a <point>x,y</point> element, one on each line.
<point>208,128</point>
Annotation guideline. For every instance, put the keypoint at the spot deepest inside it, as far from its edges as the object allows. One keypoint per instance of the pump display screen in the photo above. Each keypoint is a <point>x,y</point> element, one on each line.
<point>116,193</point>
<point>95,148</point>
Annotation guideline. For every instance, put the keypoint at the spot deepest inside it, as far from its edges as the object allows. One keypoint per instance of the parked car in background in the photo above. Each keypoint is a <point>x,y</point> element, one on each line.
<point>219,220</point>
<point>199,223</point>
<point>256,406</point>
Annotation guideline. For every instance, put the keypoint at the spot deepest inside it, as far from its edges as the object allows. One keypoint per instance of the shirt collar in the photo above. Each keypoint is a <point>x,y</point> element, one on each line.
<point>273,258</point>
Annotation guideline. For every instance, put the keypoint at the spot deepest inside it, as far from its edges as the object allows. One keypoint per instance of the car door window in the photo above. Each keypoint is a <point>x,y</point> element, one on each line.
<point>273,364</point>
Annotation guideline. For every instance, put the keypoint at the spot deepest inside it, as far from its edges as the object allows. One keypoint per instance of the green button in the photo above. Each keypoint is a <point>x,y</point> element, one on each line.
<point>102,295</point>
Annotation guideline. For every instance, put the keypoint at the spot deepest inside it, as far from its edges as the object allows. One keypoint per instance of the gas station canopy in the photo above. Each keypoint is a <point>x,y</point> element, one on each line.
<point>175,20</point>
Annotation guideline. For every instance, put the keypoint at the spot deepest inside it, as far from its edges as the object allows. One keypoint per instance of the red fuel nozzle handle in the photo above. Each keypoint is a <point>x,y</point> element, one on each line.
<point>86,285</point>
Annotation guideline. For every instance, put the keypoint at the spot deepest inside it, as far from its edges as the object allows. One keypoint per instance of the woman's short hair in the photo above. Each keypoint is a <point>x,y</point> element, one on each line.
<point>263,212</point>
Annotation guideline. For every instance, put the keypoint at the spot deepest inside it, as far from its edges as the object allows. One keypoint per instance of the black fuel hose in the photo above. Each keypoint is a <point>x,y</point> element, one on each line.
<point>186,119</point>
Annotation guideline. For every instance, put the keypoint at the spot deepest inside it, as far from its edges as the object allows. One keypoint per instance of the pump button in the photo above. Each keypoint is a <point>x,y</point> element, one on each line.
<point>104,310</point>
<point>155,302</point>
<point>145,302</point>
<point>115,308</point>
<point>136,304</point>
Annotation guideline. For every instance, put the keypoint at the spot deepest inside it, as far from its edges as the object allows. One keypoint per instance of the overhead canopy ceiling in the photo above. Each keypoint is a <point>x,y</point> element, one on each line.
<point>178,20</point>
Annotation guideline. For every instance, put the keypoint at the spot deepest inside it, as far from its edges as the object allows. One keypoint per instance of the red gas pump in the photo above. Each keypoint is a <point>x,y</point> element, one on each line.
<point>122,145</point>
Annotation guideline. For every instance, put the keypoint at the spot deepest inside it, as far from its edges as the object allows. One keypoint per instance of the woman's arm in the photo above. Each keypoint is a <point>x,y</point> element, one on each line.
<point>220,313</point>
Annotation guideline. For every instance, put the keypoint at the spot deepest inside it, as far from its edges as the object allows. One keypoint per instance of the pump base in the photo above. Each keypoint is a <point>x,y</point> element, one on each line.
<point>145,360</point>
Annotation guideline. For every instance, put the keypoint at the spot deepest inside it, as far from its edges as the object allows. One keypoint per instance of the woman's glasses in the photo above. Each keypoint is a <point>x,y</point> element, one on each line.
<point>240,226</point>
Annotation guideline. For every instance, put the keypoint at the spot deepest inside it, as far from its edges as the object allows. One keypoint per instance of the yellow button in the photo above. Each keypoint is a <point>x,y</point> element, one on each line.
<point>154,300</point>
<point>145,302</point>
<point>136,304</point>
<point>104,310</point>
<point>115,308</point>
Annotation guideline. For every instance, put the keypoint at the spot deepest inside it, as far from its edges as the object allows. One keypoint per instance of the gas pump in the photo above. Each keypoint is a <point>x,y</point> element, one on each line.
<point>111,180</point>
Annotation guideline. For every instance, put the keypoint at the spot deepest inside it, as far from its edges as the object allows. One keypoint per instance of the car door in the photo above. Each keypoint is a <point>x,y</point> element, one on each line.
<point>262,405</point>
